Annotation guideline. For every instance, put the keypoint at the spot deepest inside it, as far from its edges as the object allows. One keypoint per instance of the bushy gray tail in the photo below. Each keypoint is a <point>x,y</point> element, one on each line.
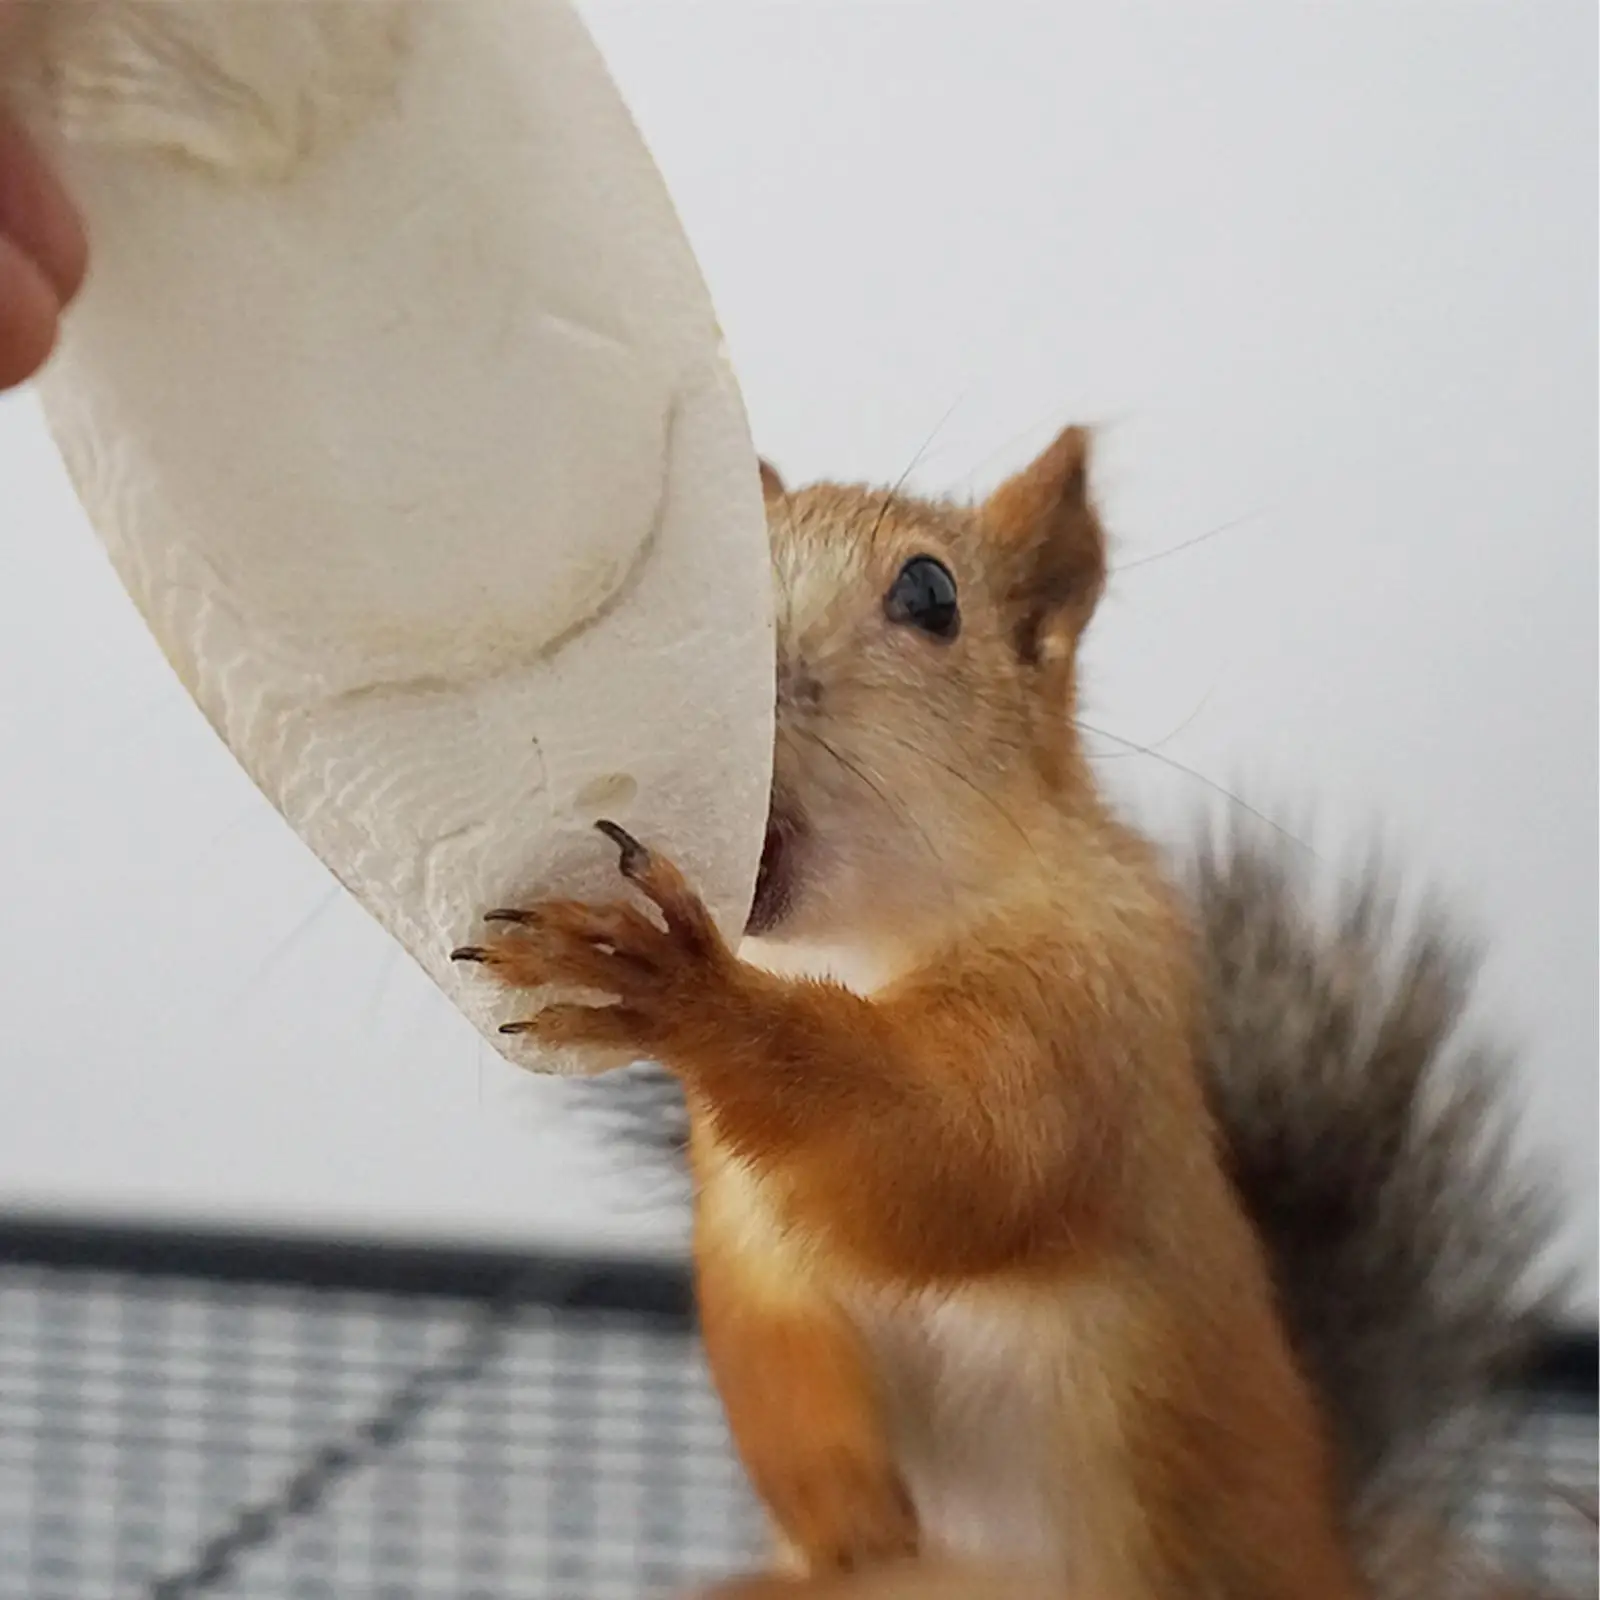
<point>1369,1134</point>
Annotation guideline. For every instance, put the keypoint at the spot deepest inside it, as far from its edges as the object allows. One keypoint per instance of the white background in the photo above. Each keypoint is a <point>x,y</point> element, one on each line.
<point>1326,275</point>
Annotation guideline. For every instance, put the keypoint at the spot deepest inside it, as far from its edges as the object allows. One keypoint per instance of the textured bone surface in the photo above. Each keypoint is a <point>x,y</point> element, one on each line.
<point>397,399</point>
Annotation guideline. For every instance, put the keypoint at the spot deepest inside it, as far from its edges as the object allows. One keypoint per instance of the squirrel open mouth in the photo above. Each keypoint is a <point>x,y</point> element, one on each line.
<point>775,880</point>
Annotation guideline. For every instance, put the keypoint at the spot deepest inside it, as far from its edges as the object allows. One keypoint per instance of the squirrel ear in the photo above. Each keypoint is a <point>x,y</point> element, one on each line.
<point>771,484</point>
<point>1041,524</point>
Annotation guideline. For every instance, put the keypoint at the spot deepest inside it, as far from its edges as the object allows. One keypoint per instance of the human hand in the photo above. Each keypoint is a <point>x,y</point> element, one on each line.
<point>43,250</point>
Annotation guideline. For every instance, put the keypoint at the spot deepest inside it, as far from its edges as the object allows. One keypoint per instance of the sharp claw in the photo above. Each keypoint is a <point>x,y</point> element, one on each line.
<point>469,952</point>
<point>518,1027</point>
<point>521,918</point>
<point>634,854</point>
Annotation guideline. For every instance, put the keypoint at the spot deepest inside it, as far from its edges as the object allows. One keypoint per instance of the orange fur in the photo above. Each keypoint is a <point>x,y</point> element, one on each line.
<point>802,1403</point>
<point>972,1276</point>
<point>915,1580</point>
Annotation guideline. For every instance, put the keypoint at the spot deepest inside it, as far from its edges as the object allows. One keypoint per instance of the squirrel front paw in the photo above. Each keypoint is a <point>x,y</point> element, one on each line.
<point>660,978</point>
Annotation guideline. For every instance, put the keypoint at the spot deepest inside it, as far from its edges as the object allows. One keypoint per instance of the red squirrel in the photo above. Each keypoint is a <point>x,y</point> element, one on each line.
<point>978,1274</point>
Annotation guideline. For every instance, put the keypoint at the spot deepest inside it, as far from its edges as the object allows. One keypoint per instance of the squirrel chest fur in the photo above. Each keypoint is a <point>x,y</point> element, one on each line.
<point>962,1386</point>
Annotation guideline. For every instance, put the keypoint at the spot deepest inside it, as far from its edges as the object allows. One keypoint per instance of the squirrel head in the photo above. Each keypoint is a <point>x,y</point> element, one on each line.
<point>926,691</point>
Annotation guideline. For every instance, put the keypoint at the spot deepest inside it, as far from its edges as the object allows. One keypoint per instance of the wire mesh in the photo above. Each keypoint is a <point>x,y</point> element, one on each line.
<point>176,1432</point>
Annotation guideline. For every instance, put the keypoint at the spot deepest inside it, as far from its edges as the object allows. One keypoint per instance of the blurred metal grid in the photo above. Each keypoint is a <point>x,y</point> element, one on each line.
<point>301,1422</point>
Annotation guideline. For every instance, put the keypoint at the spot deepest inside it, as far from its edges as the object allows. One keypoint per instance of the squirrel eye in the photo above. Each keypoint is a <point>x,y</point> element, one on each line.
<point>924,595</point>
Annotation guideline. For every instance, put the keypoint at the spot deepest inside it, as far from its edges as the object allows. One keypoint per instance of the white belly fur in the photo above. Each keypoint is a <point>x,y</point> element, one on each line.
<point>967,1382</point>
<point>967,1390</point>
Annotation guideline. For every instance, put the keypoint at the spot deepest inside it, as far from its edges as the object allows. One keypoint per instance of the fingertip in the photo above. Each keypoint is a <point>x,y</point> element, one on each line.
<point>38,214</point>
<point>30,312</point>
